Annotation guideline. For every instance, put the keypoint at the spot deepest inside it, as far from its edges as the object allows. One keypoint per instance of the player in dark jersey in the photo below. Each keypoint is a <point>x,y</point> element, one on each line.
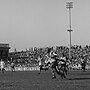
<point>63,64</point>
<point>12,66</point>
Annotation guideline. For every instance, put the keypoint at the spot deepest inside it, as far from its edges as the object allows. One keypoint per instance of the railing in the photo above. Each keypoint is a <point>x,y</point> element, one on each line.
<point>23,68</point>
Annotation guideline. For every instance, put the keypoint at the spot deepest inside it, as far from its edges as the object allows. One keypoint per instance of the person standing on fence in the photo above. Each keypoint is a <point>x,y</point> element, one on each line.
<point>40,63</point>
<point>2,64</point>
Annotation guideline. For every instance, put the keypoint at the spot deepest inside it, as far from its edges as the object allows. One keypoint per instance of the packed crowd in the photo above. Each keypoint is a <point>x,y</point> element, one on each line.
<point>29,57</point>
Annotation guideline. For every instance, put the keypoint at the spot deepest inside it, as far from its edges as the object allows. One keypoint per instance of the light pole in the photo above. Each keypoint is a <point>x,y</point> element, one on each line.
<point>69,5</point>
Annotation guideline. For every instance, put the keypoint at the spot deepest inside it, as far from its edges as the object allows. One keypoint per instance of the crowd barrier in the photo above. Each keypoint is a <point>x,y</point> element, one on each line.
<point>23,68</point>
<point>37,68</point>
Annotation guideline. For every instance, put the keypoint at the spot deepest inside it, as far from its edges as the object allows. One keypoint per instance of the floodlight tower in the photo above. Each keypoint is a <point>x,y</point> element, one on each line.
<point>69,5</point>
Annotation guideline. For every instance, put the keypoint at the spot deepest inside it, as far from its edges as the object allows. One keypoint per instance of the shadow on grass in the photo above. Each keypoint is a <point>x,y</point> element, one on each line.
<point>84,73</point>
<point>78,78</point>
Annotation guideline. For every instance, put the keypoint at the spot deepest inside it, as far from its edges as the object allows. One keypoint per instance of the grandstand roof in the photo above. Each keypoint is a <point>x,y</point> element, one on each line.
<point>2,45</point>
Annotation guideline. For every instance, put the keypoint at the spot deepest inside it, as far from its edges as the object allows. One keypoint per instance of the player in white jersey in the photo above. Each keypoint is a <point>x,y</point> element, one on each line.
<point>54,64</point>
<point>39,61</point>
<point>63,60</point>
<point>2,64</point>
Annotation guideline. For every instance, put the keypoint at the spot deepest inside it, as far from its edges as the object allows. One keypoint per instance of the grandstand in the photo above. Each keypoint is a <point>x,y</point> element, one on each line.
<point>29,57</point>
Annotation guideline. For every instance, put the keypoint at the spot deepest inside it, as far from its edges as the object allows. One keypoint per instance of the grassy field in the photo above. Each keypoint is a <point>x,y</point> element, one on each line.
<point>31,80</point>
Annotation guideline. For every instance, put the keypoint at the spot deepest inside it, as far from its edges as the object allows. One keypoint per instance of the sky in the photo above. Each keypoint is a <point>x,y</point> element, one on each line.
<point>42,23</point>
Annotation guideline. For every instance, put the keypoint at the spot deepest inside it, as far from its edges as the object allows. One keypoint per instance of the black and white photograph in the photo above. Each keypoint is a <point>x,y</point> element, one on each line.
<point>44,44</point>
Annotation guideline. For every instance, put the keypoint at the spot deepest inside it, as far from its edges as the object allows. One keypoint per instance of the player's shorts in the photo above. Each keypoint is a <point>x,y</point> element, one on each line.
<point>12,66</point>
